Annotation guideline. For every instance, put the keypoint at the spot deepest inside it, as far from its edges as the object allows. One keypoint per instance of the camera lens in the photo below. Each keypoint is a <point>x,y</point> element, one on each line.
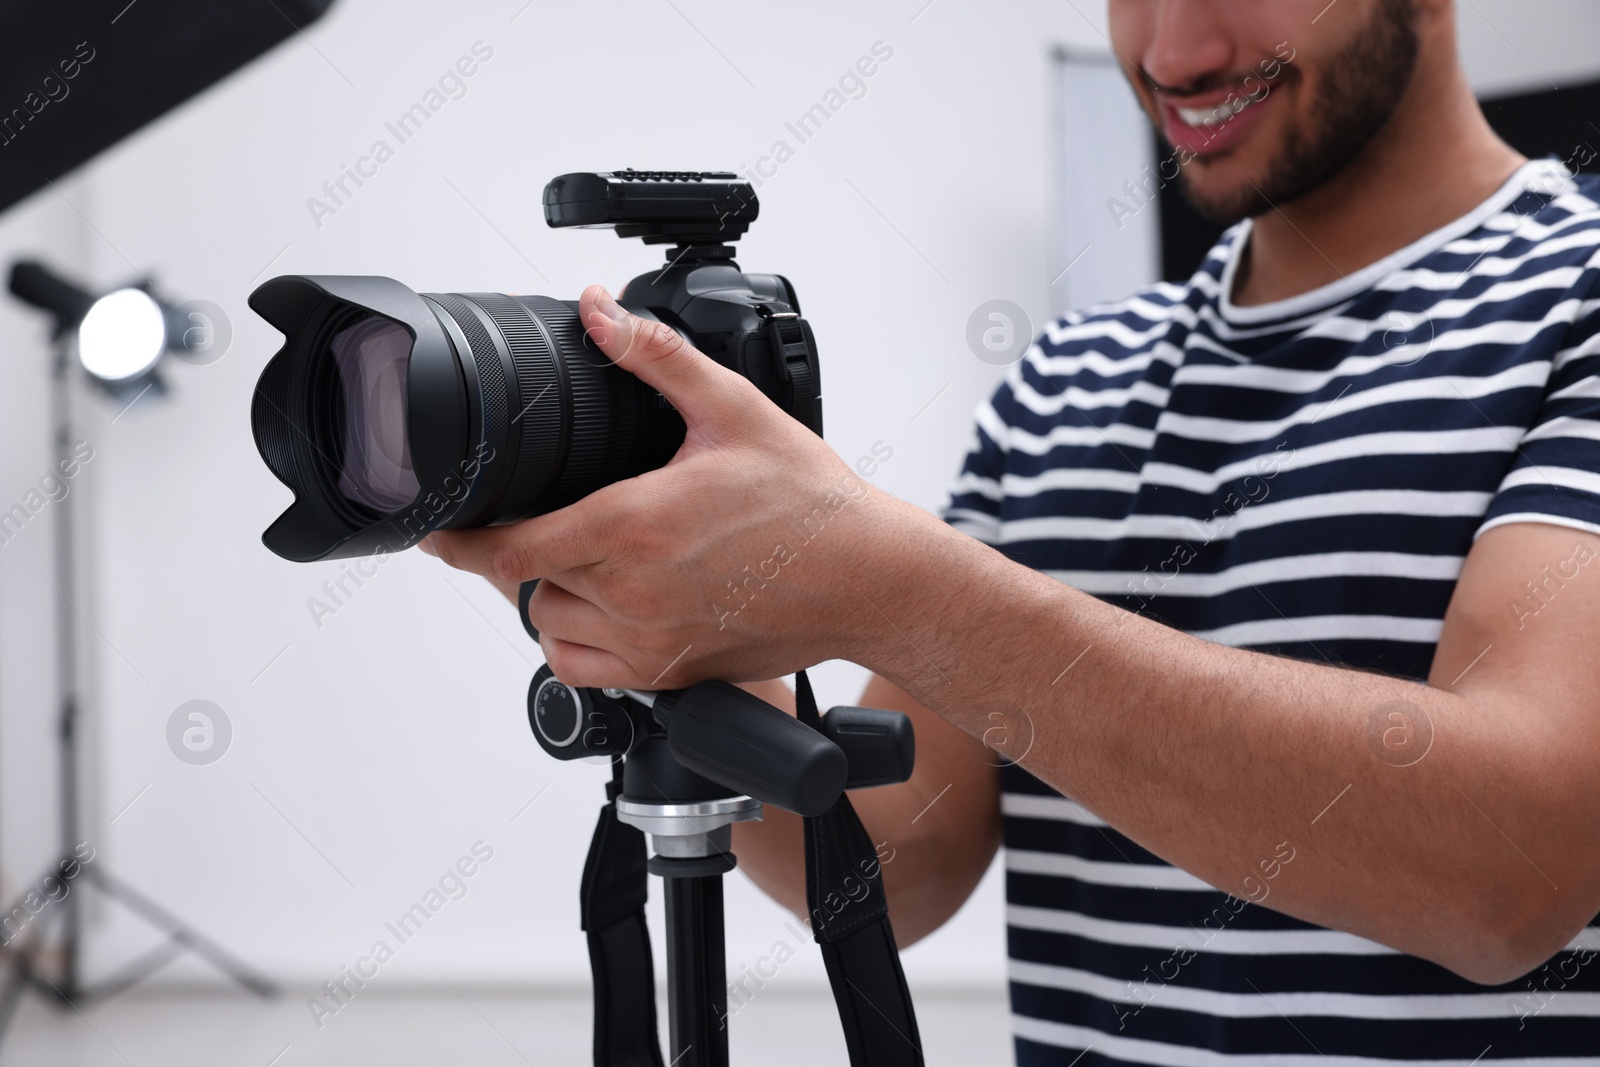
<point>373,357</point>
<point>392,413</point>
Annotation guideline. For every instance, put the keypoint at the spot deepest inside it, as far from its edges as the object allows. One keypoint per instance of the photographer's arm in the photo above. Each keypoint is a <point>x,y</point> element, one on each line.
<point>1480,855</point>
<point>1483,856</point>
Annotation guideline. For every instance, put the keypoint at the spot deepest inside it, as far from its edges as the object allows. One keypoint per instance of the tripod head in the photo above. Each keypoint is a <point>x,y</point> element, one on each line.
<point>734,742</point>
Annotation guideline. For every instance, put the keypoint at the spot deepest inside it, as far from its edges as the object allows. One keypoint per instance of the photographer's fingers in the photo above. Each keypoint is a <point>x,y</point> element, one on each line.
<point>547,544</point>
<point>583,665</point>
<point>704,392</point>
<point>559,613</point>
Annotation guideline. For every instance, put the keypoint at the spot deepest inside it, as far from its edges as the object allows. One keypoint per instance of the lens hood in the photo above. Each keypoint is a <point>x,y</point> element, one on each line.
<point>296,397</point>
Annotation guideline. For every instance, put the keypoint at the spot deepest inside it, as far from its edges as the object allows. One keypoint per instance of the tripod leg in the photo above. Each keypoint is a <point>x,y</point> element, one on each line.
<point>697,983</point>
<point>159,917</point>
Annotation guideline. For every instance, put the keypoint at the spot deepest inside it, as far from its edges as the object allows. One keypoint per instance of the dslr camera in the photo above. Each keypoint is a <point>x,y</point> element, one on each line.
<point>392,413</point>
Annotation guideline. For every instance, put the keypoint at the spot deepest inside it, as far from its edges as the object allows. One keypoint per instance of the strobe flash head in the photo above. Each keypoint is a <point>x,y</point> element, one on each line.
<point>122,337</point>
<point>391,413</point>
<point>119,337</point>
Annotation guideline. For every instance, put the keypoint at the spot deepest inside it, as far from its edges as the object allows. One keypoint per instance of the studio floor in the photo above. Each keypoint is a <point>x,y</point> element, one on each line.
<point>454,1025</point>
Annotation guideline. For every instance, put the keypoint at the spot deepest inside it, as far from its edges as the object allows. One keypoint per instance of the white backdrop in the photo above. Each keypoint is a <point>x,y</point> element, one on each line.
<point>1101,255</point>
<point>371,752</point>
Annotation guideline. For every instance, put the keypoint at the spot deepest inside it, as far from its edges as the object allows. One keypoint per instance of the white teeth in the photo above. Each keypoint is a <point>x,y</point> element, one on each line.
<point>1205,118</point>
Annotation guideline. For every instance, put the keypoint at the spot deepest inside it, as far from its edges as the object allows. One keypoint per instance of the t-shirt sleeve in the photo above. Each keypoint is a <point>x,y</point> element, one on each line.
<point>976,496</point>
<point>1555,476</point>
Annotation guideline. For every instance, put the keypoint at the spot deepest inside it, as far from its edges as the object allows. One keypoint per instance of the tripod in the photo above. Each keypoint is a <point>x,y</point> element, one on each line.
<point>691,836</point>
<point>687,765</point>
<point>72,866</point>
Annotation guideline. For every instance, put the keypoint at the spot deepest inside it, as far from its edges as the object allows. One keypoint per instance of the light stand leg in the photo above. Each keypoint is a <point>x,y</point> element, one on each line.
<point>697,982</point>
<point>182,936</point>
<point>23,973</point>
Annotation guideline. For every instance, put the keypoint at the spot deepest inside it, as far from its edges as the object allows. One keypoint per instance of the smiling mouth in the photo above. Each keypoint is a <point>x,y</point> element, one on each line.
<point>1208,118</point>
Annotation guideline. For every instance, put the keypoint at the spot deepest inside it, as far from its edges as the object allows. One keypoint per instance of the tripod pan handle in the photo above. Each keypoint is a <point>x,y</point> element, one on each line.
<point>740,741</point>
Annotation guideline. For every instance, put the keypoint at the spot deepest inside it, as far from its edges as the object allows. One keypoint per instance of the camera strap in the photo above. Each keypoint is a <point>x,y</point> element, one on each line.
<point>615,884</point>
<point>790,338</point>
<point>849,912</point>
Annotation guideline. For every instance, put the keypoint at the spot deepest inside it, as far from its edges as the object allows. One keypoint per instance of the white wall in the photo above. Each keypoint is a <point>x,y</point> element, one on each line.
<point>1517,46</point>
<point>374,750</point>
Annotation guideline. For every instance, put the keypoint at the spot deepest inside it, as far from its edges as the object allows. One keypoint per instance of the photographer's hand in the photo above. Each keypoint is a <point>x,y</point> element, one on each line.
<point>736,560</point>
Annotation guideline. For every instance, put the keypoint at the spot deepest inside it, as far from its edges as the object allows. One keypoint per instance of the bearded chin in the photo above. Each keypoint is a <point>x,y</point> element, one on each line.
<point>1354,101</point>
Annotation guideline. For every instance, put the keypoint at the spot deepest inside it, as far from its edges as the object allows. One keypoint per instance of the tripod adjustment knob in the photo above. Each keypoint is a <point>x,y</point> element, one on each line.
<point>881,745</point>
<point>571,723</point>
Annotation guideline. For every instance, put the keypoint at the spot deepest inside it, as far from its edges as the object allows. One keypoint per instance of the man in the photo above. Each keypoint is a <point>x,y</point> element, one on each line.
<point>1239,522</point>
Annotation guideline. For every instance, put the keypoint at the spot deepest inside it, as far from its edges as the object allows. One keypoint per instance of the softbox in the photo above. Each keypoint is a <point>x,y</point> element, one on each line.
<point>78,76</point>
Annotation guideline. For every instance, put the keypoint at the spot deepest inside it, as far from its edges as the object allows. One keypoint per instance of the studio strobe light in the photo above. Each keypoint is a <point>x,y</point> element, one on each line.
<point>122,336</point>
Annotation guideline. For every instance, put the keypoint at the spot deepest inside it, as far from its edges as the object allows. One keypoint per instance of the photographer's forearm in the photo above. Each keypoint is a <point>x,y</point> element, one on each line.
<point>1227,762</point>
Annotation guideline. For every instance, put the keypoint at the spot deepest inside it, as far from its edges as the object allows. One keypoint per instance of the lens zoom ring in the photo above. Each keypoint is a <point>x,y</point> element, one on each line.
<point>595,426</point>
<point>539,402</point>
<point>492,387</point>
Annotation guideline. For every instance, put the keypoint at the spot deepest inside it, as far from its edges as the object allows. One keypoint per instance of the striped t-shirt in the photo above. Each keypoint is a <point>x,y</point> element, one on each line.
<point>1303,478</point>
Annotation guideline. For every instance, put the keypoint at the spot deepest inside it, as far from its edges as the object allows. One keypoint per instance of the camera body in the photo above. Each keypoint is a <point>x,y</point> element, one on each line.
<point>392,413</point>
<point>749,323</point>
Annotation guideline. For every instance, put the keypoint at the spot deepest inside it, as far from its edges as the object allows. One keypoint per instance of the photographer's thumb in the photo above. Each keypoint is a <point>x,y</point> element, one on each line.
<point>710,397</point>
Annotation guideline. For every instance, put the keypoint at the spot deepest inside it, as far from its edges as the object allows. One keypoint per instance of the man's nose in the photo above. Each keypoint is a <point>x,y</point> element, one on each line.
<point>1191,40</point>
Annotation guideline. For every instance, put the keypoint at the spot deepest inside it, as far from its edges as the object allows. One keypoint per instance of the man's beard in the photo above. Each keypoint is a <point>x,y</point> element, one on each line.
<point>1359,94</point>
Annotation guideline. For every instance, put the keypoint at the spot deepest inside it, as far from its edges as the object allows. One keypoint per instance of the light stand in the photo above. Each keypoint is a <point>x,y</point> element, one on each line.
<point>69,303</point>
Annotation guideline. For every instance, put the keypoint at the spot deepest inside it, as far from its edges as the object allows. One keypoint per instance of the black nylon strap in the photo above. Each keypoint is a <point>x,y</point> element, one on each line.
<point>850,921</point>
<point>615,886</point>
<point>795,352</point>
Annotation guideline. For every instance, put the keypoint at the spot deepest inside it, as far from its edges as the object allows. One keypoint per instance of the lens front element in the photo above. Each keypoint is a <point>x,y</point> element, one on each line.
<point>373,357</point>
